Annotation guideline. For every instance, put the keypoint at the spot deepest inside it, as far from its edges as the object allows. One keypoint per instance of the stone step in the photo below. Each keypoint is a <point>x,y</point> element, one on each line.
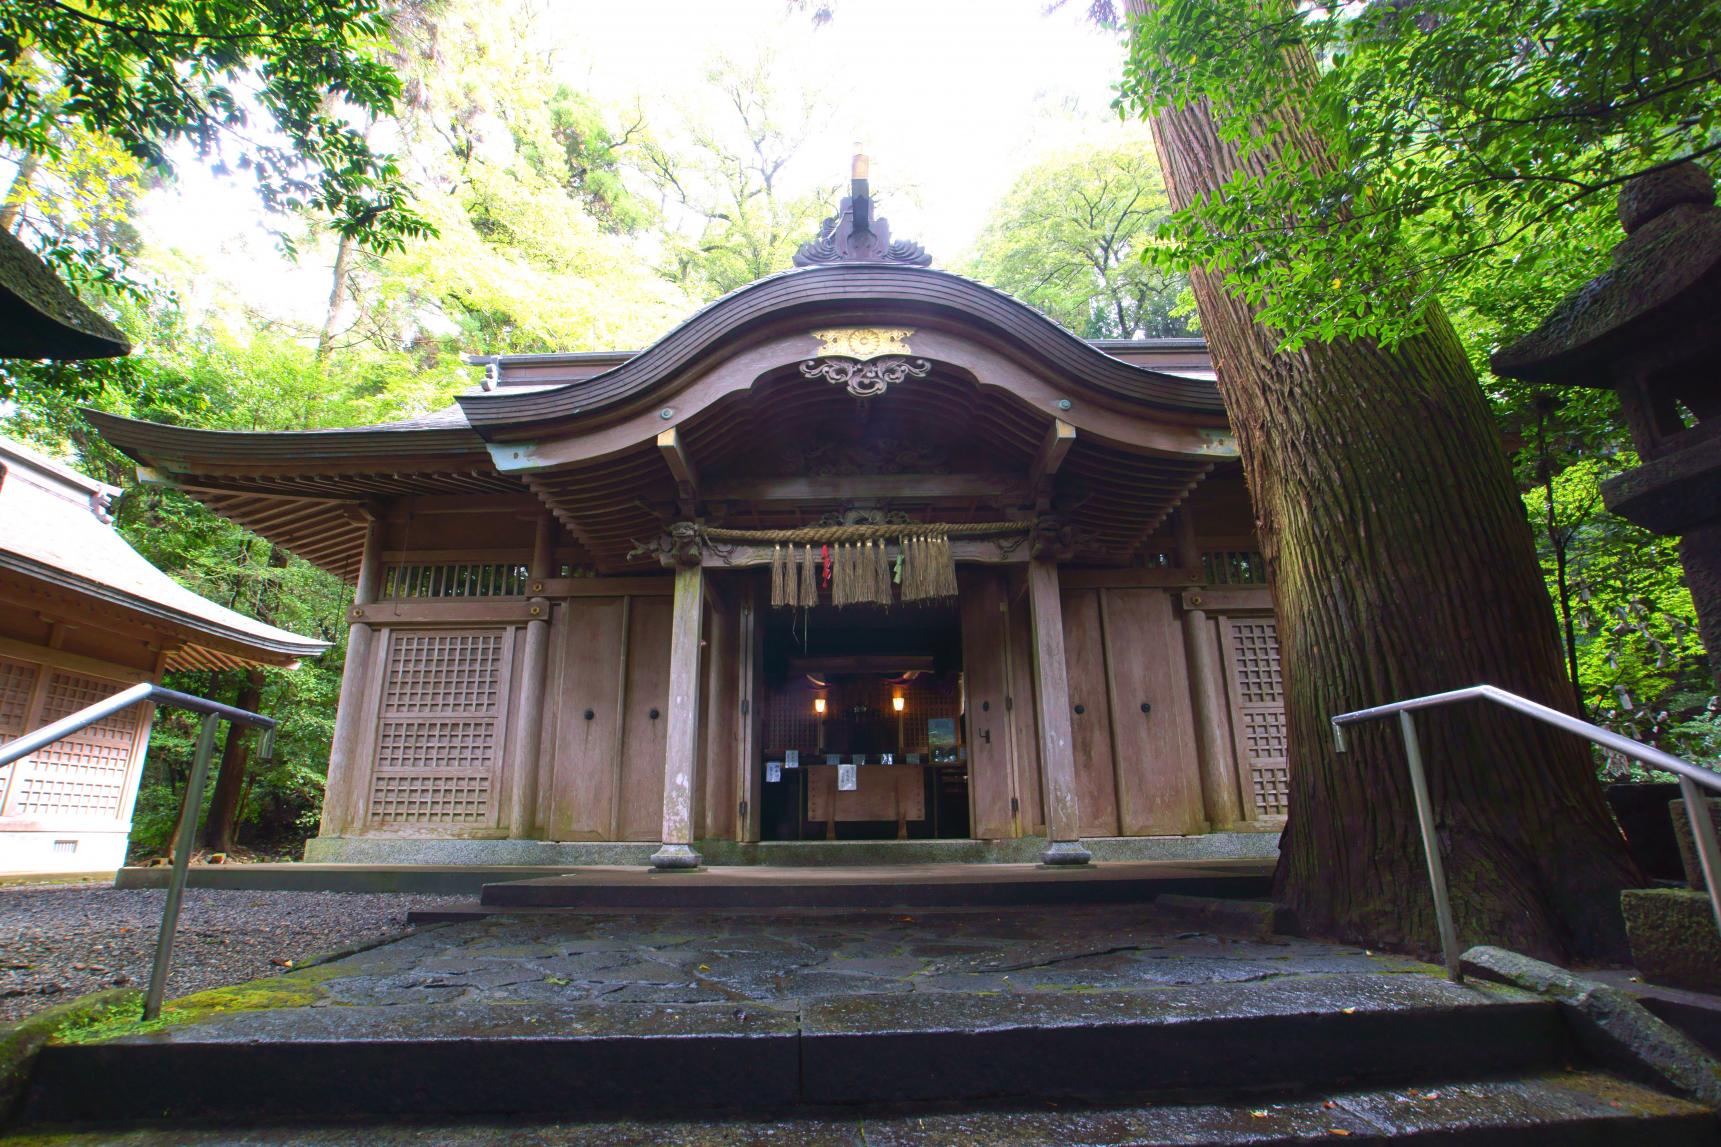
<point>458,1060</point>
<point>1567,1107</point>
<point>901,886</point>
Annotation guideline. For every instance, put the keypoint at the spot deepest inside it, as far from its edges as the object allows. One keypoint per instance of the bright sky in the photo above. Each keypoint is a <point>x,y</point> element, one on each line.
<point>953,99</point>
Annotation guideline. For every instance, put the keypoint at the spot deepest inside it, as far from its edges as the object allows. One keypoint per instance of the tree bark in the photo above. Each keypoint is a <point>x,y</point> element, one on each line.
<point>337,297</point>
<point>230,779</point>
<point>1401,563</point>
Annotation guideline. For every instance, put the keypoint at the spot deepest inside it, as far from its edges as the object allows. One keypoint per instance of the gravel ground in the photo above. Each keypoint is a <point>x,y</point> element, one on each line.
<point>63,940</point>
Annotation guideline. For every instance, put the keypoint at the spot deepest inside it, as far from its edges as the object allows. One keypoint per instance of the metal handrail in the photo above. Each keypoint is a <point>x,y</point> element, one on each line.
<point>213,712</point>
<point>1690,777</point>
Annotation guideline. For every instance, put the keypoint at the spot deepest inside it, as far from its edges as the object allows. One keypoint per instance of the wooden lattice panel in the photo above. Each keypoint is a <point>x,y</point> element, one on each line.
<point>436,748</point>
<point>17,679</point>
<point>1234,567</point>
<point>84,774</point>
<point>441,798</point>
<point>790,724</point>
<point>1258,710</point>
<point>17,682</point>
<point>443,672</point>
<point>1264,739</point>
<point>454,579</point>
<point>1255,645</point>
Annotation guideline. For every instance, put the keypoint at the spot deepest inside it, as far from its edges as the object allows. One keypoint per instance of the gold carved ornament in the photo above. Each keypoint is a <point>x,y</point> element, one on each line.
<point>864,360</point>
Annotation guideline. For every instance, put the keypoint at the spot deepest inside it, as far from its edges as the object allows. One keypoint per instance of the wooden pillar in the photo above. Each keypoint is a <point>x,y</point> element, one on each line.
<point>1052,696</point>
<point>343,803</point>
<point>681,750</point>
<point>529,709</point>
<point>1219,793</point>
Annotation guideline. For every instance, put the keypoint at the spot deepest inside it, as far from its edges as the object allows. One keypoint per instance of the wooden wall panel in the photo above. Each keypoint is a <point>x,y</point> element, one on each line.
<point>985,663</point>
<point>1024,725</point>
<point>643,738</point>
<point>1096,780</point>
<point>719,774</point>
<point>578,791</point>
<point>1158,774</point>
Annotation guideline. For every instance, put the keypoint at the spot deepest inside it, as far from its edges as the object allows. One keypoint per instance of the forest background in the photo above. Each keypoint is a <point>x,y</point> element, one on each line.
<point>545,216</point>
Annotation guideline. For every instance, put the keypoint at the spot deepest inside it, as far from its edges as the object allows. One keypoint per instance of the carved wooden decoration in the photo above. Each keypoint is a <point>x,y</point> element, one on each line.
<point>866,379</point>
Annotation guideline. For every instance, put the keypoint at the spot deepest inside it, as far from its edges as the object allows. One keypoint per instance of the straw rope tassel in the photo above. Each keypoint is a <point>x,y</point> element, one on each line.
<point>778,599</point>
<point>944,566</point>
<point>791,579</point>
<point>809,579</point>
<point>881,572</point>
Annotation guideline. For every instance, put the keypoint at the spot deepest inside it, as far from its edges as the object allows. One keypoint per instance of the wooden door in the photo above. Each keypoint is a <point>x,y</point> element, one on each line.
<point>1090,712</point>
<point>993,792</point>
<point>588,637</point>
<point>640,812</point>
<point>1153,727</point>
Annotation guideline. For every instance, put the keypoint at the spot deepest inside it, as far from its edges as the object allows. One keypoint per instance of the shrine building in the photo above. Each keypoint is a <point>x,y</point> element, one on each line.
<point>862,551</point>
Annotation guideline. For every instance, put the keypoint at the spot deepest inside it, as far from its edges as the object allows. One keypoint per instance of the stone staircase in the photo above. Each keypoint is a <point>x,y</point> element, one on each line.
<point>969,1027</point>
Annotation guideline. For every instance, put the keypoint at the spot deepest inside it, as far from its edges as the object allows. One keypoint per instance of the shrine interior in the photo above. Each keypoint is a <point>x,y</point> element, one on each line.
<point>889,684</point>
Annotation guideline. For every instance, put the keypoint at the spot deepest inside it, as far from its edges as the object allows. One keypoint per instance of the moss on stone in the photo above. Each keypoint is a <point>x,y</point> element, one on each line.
<point>1673,937</point>
<point>20,1042</point>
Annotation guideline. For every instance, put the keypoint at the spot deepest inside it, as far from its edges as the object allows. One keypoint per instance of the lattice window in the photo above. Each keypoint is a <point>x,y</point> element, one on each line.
<point>1256,645</point>
<point>84,774</point>
<point>1258,710</point>
<point>1264,739</point>
<point>454,672</point>
<point>454,579</point>
<point>790,724</point>
<point>446,798</point>
<point>437,745</point>
<point>16,682</point>
<point>1233,567</point>
<point>436,756</point>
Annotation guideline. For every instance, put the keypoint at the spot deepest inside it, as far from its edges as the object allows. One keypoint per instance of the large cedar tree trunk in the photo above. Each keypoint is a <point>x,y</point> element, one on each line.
<point>1401,563</point>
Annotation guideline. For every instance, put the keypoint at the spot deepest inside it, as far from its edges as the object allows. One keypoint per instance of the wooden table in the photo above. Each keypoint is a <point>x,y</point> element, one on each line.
<point>882,792</point>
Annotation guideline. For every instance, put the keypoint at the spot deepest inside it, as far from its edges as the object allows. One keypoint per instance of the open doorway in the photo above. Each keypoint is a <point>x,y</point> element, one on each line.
<point>862,725</point>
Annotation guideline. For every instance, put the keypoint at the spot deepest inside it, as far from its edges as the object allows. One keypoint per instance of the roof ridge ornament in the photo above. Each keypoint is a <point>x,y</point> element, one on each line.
<point>854,235</point>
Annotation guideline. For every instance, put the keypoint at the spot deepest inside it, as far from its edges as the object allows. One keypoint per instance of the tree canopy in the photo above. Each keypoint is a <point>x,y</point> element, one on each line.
<point>1071,236</point>
<point>1472,142</point>
<point>269,87</point>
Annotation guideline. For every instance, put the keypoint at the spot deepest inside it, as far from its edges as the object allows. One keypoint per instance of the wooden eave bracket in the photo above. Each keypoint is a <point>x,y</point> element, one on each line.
<point>680,464</point>
<point>1059,438</point>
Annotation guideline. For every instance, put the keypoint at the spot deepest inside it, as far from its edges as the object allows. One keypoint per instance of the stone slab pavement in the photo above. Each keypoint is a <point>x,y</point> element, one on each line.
<point>630,971</point>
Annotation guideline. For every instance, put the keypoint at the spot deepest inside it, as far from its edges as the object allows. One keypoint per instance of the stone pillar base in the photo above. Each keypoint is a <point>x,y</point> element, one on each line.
<point>675,858</point>
<point>1065,852</point>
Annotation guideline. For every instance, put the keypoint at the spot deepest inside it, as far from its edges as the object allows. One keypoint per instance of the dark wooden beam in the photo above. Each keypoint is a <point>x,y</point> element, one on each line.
<point>847,487</point>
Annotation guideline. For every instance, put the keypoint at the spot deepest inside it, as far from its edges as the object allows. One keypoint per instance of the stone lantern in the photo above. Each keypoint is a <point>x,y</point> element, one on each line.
<point>1649,328</point>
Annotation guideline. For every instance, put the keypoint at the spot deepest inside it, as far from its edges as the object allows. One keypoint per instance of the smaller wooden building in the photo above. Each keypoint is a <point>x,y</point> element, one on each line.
<point>82,616</point>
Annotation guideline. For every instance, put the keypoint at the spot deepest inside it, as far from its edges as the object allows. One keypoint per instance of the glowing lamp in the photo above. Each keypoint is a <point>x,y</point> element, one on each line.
<point>819,706</point>
<point>896,702</point>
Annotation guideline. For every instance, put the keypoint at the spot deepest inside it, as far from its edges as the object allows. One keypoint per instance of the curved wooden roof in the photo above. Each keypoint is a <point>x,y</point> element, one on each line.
<point>877,288</point>
<point>55,538</point>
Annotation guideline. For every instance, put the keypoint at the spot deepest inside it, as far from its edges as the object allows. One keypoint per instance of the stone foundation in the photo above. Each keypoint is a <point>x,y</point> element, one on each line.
<point>1023,850</point>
